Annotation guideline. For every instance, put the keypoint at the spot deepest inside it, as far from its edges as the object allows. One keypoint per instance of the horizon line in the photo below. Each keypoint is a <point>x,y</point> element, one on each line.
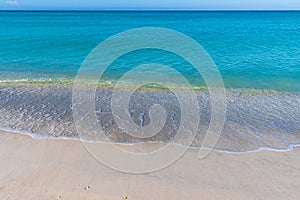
<point>141,10</point>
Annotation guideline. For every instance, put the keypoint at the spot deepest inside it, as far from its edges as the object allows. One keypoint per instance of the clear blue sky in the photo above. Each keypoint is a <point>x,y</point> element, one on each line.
<point>150,4</point>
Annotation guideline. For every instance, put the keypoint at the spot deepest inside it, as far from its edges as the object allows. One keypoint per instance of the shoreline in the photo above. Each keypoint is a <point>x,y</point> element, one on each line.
<point>62,169</point>
<point>36,136</point>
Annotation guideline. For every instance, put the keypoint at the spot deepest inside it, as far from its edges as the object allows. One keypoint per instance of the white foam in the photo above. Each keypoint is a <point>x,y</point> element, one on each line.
<point>47,137</point>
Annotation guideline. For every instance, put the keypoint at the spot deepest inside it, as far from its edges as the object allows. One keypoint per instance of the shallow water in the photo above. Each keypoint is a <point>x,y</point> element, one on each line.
<point>255,118</point>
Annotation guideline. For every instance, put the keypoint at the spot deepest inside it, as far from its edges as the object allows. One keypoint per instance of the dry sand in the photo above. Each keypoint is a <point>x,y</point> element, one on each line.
<point>63,169</point>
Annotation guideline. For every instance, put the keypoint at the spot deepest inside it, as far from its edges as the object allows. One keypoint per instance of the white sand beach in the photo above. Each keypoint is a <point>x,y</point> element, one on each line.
<point>63,169</point>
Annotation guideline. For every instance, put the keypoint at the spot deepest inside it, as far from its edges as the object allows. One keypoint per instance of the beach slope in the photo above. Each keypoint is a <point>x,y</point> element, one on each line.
<point>63,169</point>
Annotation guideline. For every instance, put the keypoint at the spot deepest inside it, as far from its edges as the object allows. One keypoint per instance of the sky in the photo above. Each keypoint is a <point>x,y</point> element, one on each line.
<point>152,4</point>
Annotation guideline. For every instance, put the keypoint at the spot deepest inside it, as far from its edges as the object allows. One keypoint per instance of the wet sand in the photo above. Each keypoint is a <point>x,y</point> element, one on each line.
<point>63,169</point>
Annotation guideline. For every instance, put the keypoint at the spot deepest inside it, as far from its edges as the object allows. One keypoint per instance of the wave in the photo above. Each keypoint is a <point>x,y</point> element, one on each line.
<point>256,119</point>
<point>37,136</point>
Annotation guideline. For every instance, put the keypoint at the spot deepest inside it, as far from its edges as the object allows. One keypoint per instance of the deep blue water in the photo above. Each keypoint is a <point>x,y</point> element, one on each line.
<point>251,49</point>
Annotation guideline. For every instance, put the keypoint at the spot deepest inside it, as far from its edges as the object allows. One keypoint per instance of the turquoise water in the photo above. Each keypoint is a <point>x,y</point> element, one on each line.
<point>251,49</point>
<point>257,54</point>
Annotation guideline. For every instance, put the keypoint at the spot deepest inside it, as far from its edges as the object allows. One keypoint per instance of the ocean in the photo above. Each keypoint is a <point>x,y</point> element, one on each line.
<point>257,54</point>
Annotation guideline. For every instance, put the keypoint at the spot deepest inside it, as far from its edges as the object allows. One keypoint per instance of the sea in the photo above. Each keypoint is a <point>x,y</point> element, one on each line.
<point>257,54</point>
